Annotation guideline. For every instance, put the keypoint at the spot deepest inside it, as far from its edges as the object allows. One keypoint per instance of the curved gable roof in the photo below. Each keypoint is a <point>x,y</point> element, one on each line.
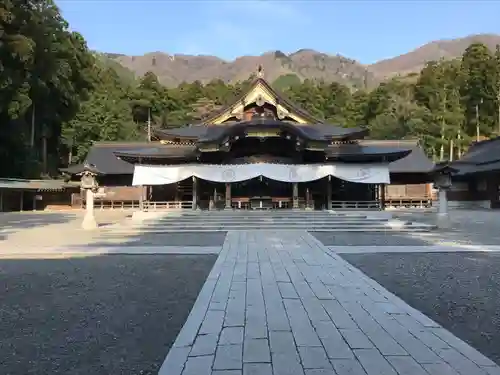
<point>280,97</point>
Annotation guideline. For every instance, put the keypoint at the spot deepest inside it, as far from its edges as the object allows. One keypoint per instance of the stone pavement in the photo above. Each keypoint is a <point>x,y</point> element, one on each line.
<point>283,304</point>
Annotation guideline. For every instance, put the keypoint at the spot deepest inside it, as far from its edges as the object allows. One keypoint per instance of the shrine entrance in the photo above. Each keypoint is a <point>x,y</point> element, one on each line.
<point>262,193</point>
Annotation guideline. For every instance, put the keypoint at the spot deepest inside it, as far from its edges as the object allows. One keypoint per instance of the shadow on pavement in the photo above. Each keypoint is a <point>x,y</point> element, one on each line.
<point>111,314</point>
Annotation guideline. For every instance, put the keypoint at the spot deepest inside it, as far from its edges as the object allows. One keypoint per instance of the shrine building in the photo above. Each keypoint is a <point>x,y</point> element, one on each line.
<point>261,152</point>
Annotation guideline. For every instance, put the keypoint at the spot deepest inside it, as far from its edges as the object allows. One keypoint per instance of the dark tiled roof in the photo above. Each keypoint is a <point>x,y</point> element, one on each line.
<point>154,152</point>
<point>190,132</point>
<point>483,152</point>
<point>103,157</point>
<point>334,131</point>
<point>482,157</point>
<point>463,169</point>
<point>210,133</point>
<point>35,185</point>
<point>358,151</point>
<point>416,162</point>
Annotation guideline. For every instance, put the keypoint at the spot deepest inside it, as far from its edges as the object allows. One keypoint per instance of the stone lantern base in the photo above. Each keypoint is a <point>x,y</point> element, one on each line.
<point>443,221</point>
<point>89,222</point>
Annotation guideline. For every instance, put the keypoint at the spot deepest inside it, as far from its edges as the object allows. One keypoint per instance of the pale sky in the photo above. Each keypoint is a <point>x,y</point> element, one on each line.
<point>363,30</point>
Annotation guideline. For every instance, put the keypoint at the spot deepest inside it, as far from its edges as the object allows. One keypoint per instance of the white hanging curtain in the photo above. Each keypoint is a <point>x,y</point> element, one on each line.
<point>163,175</point>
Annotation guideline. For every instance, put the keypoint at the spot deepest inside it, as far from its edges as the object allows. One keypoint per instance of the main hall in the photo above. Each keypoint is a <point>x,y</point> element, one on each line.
<point>261,152</point>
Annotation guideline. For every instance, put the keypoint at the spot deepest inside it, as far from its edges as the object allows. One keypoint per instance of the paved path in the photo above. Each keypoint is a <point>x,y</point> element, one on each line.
<point>284,304</point>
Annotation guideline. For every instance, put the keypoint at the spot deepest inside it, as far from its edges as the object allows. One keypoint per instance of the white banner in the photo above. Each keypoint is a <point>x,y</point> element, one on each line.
<point>163,175</point>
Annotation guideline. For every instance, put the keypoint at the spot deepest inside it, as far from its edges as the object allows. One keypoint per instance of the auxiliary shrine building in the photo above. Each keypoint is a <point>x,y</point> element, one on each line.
<point>262,152</point>
<point>476,177</point>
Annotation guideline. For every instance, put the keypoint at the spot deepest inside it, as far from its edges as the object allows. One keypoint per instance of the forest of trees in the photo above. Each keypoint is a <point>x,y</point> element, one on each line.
<point>57,97</point>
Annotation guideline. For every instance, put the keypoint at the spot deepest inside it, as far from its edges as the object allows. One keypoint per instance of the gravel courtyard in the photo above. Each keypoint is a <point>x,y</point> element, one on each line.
<point>115,314</point>
<point>460,291</point>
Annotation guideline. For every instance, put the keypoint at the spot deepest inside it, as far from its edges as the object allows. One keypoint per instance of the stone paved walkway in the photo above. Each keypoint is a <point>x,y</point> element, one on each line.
<point>284,304</point>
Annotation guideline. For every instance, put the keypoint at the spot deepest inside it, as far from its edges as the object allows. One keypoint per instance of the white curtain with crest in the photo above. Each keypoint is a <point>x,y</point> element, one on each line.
<point>163,175</point>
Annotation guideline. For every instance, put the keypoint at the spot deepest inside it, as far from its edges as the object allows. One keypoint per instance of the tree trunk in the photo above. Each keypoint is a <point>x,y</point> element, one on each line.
<point>44,153</point>
<point>32,133</point>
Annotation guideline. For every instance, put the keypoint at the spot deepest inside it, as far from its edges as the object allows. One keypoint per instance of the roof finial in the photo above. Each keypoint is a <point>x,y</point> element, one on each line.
<point>260,72</point>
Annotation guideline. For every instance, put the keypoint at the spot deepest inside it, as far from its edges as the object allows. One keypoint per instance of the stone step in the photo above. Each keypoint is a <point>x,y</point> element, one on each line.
<point>264,215</point>
<point>235,213</point>
<point>310,229</point>
<point>241,226</point>
<point>266,221</point>
<point>232,216</point>
<point>323,221</point>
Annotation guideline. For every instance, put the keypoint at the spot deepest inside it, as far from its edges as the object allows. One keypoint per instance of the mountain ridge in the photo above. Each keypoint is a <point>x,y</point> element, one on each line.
<point>305,63</point>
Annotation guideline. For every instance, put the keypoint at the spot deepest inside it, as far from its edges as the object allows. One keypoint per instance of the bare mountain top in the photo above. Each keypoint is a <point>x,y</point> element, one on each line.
<point>175,69</point>
<point>415,60</point>
<point>303,64</point>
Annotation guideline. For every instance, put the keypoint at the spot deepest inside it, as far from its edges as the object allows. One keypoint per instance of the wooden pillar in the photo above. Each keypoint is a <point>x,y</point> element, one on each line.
<point>329,193</point>
<point>295,195</point>
<point>382,196</point>
<point>212,204</point>
<point>195,193</point>
<point>141,193</point>
<point>308,199</point>
<point>177,197</point>
<point>228,196</point>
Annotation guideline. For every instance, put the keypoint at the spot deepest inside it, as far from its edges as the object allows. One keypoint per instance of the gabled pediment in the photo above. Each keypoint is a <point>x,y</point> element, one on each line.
<point>262,94</point>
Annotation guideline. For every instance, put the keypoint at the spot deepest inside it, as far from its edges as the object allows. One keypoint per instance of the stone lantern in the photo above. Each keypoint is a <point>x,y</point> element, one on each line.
<point>442,179</point>
<point>89,186</point>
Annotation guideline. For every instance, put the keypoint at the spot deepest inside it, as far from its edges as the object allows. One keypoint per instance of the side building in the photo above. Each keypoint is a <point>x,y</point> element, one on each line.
<point>262,152</point>
<point>476,182</point>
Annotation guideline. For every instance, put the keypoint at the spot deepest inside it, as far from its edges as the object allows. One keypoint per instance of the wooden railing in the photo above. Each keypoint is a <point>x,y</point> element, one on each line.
<point>355,205</point>
<point>244,204</point>
<point>408,202</point>
<point>112,205</point>
<point>167,205</point>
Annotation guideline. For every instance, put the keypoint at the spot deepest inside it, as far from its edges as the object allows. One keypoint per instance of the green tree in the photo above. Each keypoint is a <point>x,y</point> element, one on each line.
<point>479,90</point>
<point>44,75</point>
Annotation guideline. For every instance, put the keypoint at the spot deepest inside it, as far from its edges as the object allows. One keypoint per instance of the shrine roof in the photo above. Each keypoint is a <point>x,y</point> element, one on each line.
<point>415,162</point>
<point>34,185</point>
<point>482,157</point>
<point>280,97</point>
<point>209,133</point>
<point>102,155</point>
<point>356,150</point>
<point>105,155</point>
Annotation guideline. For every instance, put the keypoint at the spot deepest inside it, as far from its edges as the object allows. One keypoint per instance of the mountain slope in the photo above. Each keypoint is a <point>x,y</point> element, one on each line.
<point>303,64</point>
<point>415,60</point>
